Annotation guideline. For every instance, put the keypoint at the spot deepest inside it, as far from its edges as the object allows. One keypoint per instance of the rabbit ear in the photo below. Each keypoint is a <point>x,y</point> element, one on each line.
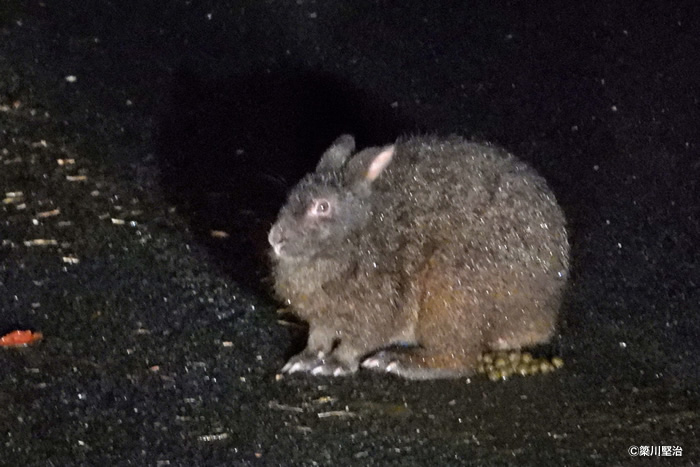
<point>365,167</point>
<point>335,156</point>
<point>379,163</point>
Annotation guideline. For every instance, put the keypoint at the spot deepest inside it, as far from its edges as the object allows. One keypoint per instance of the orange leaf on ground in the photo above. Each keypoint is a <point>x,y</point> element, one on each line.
<point>19,338</point>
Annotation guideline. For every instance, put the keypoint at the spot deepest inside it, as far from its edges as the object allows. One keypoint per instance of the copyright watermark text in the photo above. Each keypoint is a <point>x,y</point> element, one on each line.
<point>655,451</point>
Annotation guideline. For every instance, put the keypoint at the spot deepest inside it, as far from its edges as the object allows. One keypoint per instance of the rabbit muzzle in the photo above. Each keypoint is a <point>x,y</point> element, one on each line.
<point>277,239</point>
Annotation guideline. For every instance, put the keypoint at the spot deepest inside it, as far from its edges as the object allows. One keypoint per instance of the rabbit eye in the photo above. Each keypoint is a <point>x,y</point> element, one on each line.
<point>321,207</point>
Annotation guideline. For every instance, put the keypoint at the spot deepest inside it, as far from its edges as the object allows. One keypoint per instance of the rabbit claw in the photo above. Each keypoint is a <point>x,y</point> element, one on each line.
<point>318,365</point>
<point>331,369</point>
<point>383,361</point>
<point>302,363</point>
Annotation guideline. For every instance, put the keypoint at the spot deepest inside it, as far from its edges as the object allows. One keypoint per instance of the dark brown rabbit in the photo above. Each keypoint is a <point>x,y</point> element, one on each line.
<point>417,257</point>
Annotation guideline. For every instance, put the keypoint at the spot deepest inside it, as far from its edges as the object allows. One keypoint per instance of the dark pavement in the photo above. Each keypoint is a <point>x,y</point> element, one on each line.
<point>129,131</point>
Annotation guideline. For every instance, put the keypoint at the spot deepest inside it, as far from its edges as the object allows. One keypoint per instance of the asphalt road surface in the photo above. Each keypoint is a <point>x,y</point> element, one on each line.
<point>145,148</point>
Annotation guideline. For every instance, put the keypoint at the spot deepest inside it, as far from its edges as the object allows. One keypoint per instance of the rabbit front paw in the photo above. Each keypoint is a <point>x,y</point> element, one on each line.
<point>317,364</point>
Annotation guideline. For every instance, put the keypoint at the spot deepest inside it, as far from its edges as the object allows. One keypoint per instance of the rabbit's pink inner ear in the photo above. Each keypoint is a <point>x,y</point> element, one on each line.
<point>379,163</point>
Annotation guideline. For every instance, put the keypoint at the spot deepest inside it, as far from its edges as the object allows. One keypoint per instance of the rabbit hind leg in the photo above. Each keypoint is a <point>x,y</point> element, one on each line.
<point>419,363</point>
<point>526,315</point>
<point>447,330</point>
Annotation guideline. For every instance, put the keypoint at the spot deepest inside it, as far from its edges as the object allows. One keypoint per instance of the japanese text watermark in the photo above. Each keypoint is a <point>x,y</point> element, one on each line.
<point>655,451</point>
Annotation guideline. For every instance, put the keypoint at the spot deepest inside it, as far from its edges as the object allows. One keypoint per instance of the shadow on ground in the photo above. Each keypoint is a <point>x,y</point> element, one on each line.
<point>230,149</point>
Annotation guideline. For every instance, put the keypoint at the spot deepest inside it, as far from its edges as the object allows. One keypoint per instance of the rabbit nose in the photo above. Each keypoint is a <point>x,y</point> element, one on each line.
<point>276,237</point>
